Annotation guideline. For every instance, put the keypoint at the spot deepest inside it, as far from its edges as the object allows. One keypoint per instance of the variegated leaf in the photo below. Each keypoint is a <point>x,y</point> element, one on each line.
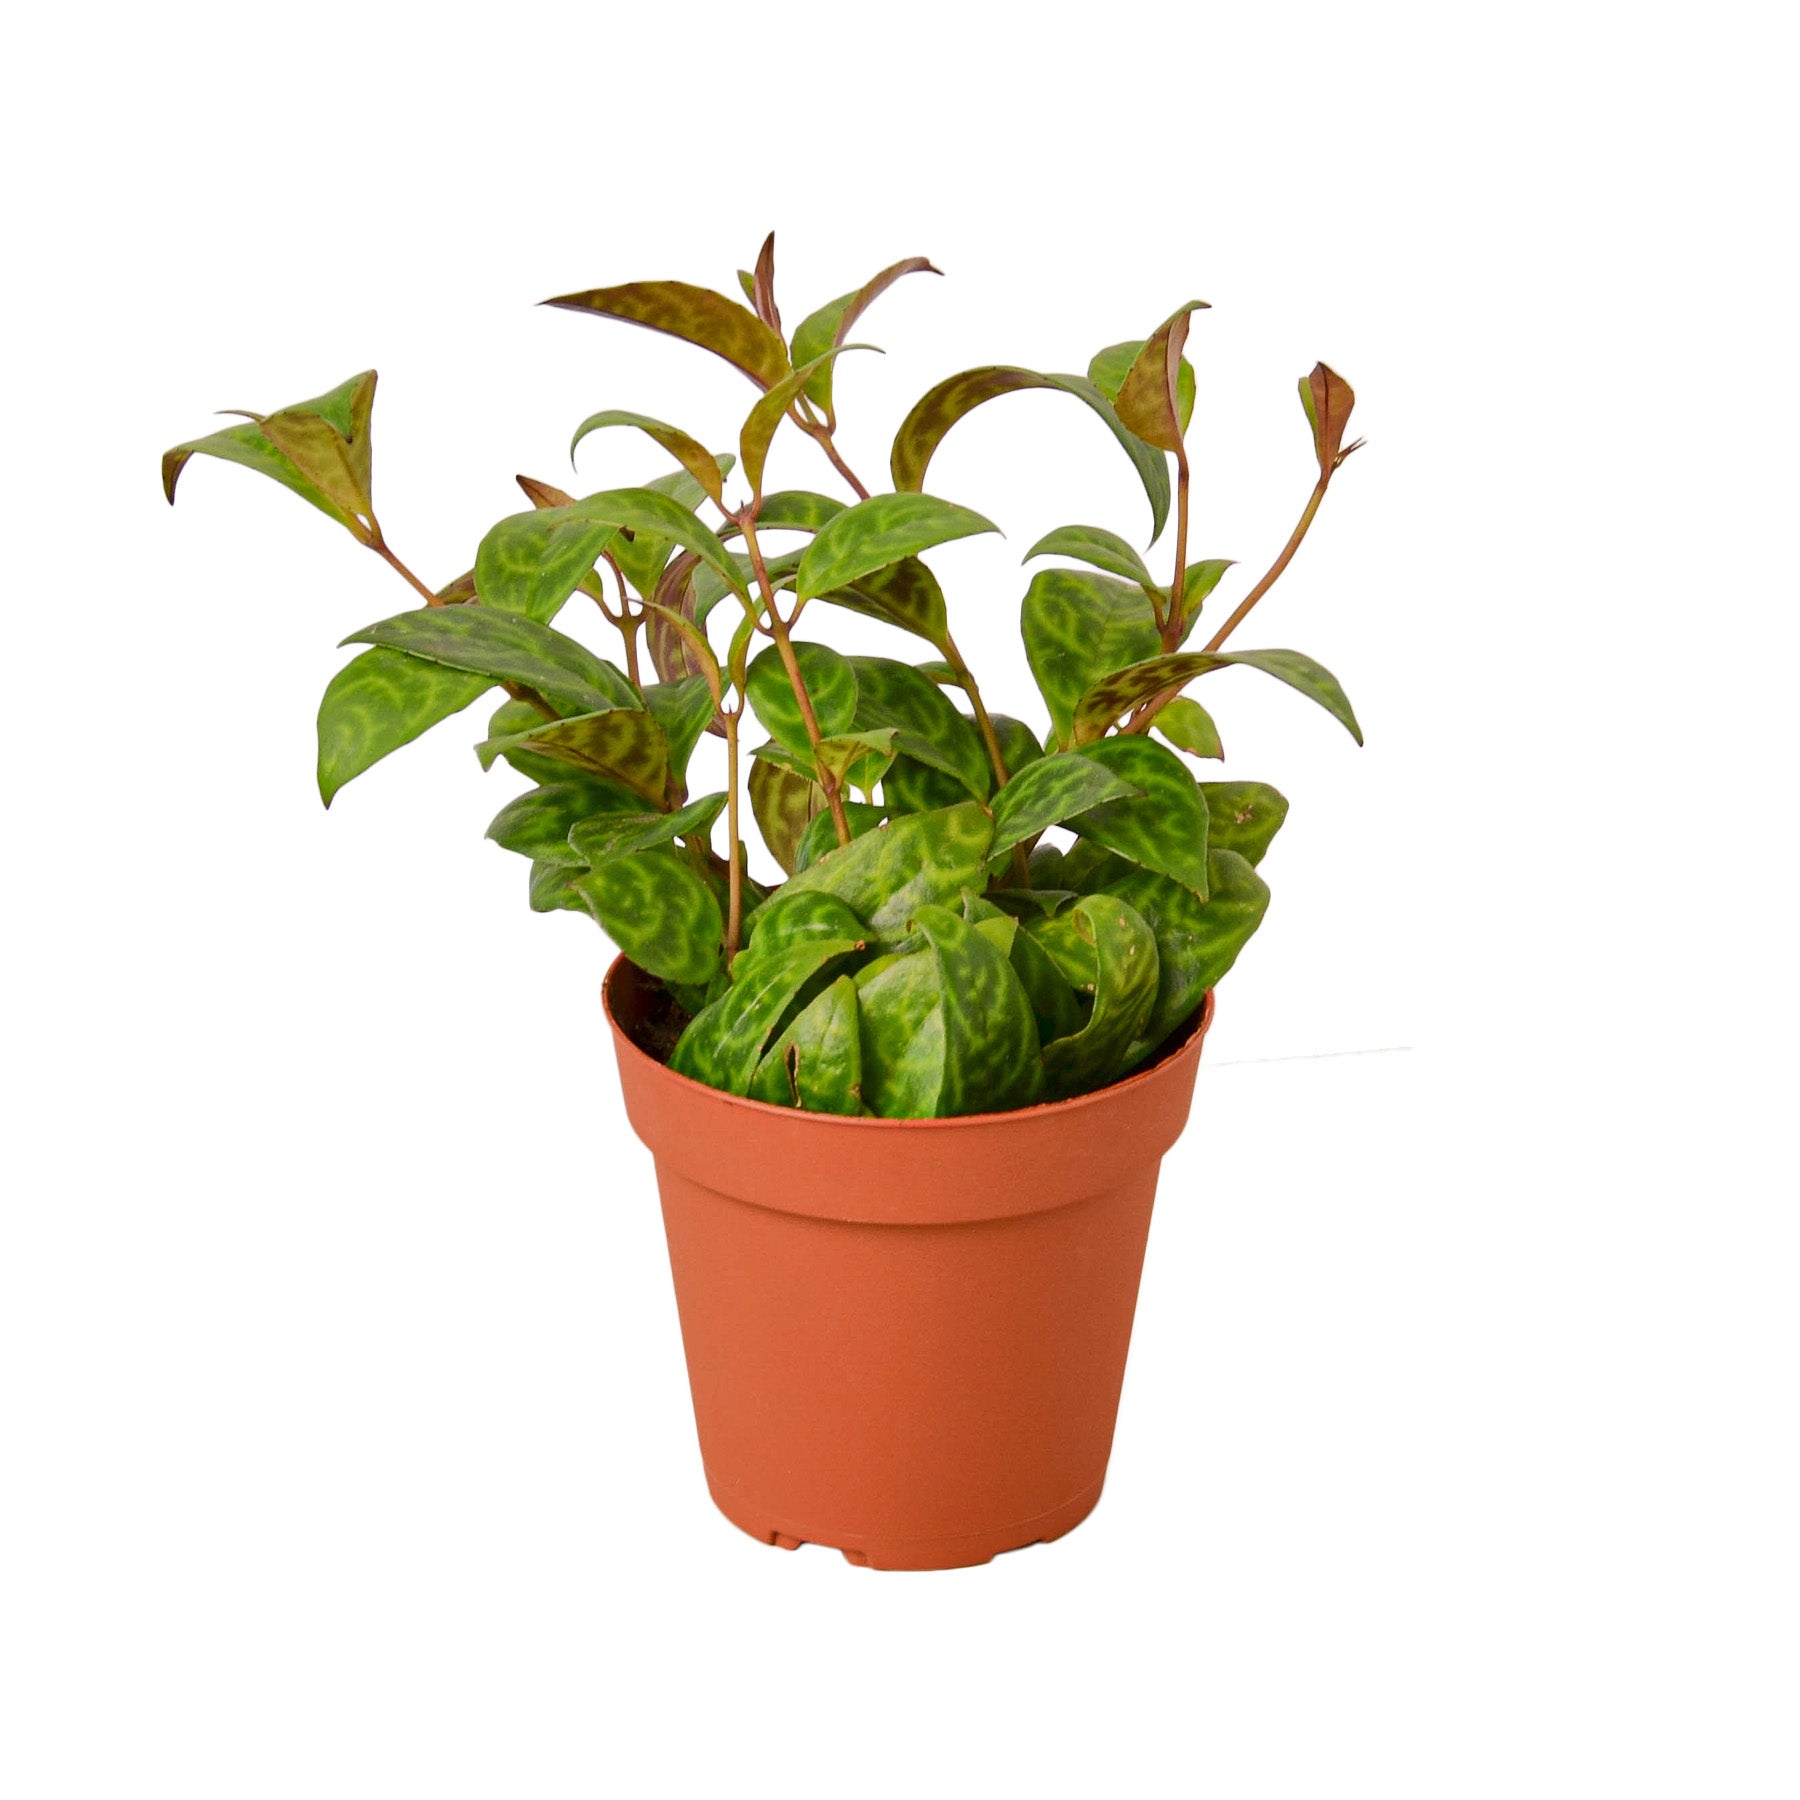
<point>879,531</point>
<point>689,452</point>
<point>379,701</point>
<point>1126,973</point>
<point>1079,629</point>
<point>625,745</point>
<point>659,912</point>
<point>1165,829</point>
<point>696,314</point>
<point>816,1063</point>
<point>832,323</point>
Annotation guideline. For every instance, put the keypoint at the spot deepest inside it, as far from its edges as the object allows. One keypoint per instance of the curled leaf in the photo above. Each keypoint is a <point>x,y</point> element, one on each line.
<point>1149,400</point>
<point>831,324</point>
<point>689,452</point>
<point>880,531</point>
<point>696,314</point>
<point>1328,398</point>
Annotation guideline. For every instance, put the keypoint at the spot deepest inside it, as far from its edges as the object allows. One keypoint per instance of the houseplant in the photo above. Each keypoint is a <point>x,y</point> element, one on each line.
<point>908,1105</point>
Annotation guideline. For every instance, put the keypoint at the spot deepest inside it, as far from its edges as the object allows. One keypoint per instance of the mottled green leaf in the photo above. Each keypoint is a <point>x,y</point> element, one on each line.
<point>651,514</point>
<point>1166,829</point>
<point>820,836</point>
<point>1188,726</point>
<point>696,314</point>
<point>1050,791</point>
<point>552,888</point>
<point>904,593</point>
<point>1243,816</point>
<point>1199,581</point>
<point>1019,747</point>
<point>766,415</point>
<point>1054,1005</point>
<point>1115,694</point>
<point>1109,368</point>
<point>830,684</point>
<point>537,824</point>
<point>791,919</point>
<point>1102,549</point>
<point>915,787</point>
<point>1125,988</point>
<point>532,562</point>
<point>927,727</point>
<point>723,1045</point>
<point>683,709</point>
<point>880,531</point>
<point>505,646</point>
<point>625,745</point>
<point>831,324</point>
<point>1078,629</point>
<point>508,721</point>
<point>784,804</point>
<point>924,428</point>
<point>901,1015</point>
<point>817,1062</point>
<point>658,911</point>
<point>990,1032</point>
<point>379,701</point>
<point>1197,940</point>
<point>927,859</point>
<point>689,452</point>
<point>797,509</point>
<point>642,553</point>
<point>1300,672</point>
<point>611,834</point>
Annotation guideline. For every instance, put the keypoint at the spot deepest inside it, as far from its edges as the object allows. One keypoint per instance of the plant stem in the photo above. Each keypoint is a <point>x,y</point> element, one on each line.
<point>627,621</point>
<point>1177,614</point>
<point>821,434</point>
<point>734,917</point>
<point>965,679</point>
<point>378,544</point>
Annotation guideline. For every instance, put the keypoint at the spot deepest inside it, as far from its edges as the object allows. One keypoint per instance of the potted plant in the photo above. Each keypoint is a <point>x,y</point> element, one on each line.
<point>908,1105</point>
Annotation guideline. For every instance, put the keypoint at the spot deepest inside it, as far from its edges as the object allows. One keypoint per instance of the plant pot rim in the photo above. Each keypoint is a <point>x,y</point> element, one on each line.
<point>1184,1041</point>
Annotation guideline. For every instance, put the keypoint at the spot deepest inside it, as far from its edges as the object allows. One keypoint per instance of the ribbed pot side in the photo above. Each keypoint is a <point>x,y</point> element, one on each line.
<point>905,1337</point>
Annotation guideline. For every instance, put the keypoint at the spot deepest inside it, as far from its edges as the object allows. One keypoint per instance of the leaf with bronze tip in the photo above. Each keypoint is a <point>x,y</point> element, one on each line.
<point>506,646</point>
<point>1079,629</point>
<point>1149,401</point>
<point>537,824</point>
<point>830,684</point>
<point>766,415</point>
<point>1166,828</point>
<point>379,701</point>
<point>879,531</point>
<point>624,745</point>
<point>831,324</point>
<point>1126,974</point>
<point>696,314</point>
<point>1243,816</point>
<point>1110,366</point>
<point>658,911</point>
<point>762,286</point>
<point>1328,398</point>
<point>784,804</point>
<point>1116,694</point>
<point>816,1063</point>
<point>925,427</point>
<point>1050,791</point>
<point>544,495</point>
<point>1188,726</point>
<point>689,452</point>
<point>1100,548</point>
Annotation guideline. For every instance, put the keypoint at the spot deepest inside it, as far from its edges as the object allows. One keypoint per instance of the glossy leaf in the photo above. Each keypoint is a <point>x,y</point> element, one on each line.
<point>1166,829</point>
<point>505,646</point>
<point>683,709</point>
<point>910,786</point>
<point>658,911</point>
<point>1200,580</point>
<point>723,1045</point>
<point>1101,549</point>
<point>880,531</point>
<point>1243,816</point>
<point>990,1032</point>
<point>624,745</point>
<point>552,888</point>
<point>1188,726</point>
<point>797,509</point>
<point>791,919</point>
<point>901,1014</point>
<point>1078,629</point>
<point>784,804</point>
<point>1300,672</point>
<point>927,859</point>
<point>508,720</point>
<point>927,727</point>
<point>697,314</point>
<point>642,553</point>
<point>1197,940</point>
<point>926,426</point>
<point>1019,747</point>
<point>762,286</point>
<point>830,684</point>
<point>1148,400</point>
<point>531,562</point>
<point>689,452</point>
<point>1110,366</point>
<point>766,415</point>
<point>1054,1006</point>
<point>1116,694</point>
<point>605,835</point>
<point>905,594</point>
<point>537,824</point>
<point>1050,791</point>
<point>654,515</point>
<point>820,837</point>
<point>379,701</point>
<point>1126,974</point>
<point>816,1063</point>
<point>832,323</point>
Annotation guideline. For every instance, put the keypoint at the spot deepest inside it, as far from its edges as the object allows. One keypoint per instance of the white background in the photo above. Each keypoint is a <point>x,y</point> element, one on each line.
<point>343,1422</point>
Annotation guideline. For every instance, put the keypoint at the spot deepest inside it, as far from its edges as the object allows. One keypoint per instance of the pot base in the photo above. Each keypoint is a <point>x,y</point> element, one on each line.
<point>910,1553</point>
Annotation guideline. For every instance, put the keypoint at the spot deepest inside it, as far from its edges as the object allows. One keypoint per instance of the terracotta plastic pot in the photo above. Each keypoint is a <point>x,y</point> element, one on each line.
<point>905,1338</point>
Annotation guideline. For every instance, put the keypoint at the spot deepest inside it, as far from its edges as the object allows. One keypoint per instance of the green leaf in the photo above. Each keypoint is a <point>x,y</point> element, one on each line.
<point>505,646</point>
<point>1197,940</point>
<point>1125,987</point>
<point>598,839</point>
<point>552,888</point>
<point>1050,791</point>
<point>817,1062</point>
<point>791,919</point>
<point>820,837</point>
<point>926,859</point>
<point>797,509</point>
<point>1166,829</point>
<point>927,727</point>
<point>531,562</point>
<point>723,1045</point>
<point>831,324</point>
<point>1188,726</point>
<point>1199,581</point>
<point>648,512</point>
<point>915,787</point>
<point>990,1032</point>
<point>1110,367</point>
<point>1019,747</point>
<point>659,913</point>
<point>1102,549</point>
<point>879,531</point>
<point>1300,672</point>
<point>509,720</point>
<point>766,415</point>
<point>1115,694</point>
<point>925,427</point>
<point>1243,816</point>
<point>1078,629</point>
<point>689,452</point>
<point>1053,1003</point>
<point>905,594</point>
<point>683,709</point>
<point>901,1014</point>
<point>624,745</point>
<point>784,804</point>
<point>641,554</point>
<point>537,824</point>
<point>830,684</point>
<point>696,314</point>
<point>379,701</point>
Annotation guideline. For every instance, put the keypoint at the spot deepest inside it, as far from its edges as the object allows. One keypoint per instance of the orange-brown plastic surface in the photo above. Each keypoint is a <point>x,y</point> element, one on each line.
<point>905,1337</point>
